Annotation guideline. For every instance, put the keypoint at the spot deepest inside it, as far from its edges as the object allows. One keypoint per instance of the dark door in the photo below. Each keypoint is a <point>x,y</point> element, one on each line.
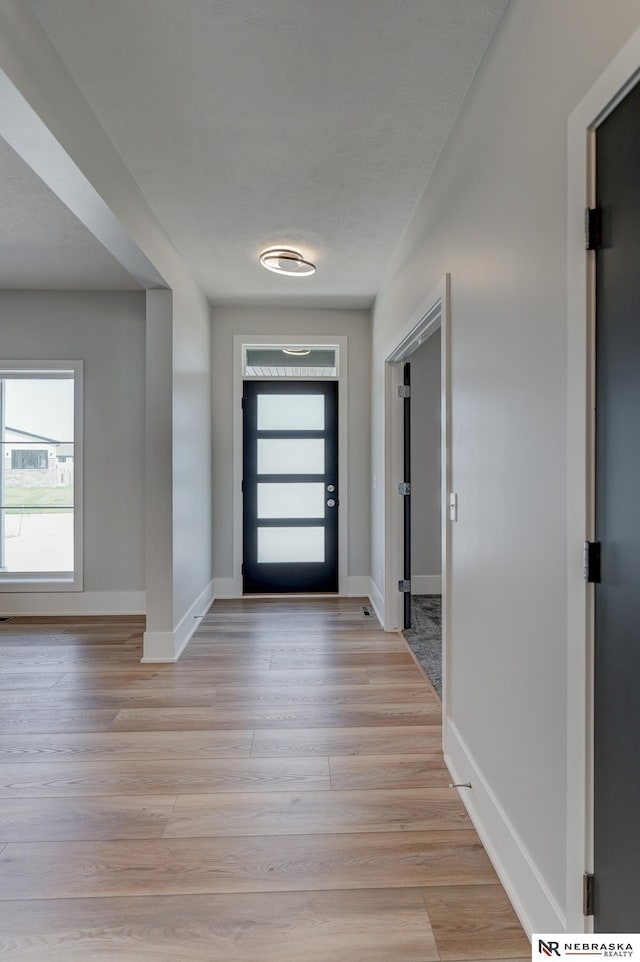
<point>290,486</point>
<point>407,494</point>
<point>617,596</point>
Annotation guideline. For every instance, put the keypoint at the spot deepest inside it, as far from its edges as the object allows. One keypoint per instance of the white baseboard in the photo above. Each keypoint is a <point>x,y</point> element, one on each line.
<point>531,898</point>
<point>73,603</point>
<point>426,585</point>
<point>227,588</point>
<point>376,599</point>
<point>163,646</point>
<point>160,645</point>
<point>358,586</point>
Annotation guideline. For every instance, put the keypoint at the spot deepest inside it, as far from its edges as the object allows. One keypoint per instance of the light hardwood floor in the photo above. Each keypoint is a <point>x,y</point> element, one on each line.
<point>277,795</point>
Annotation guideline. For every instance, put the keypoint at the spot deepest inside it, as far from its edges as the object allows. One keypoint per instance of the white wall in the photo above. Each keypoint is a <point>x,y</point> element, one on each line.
<point>426,560</point>
<point>495,216</point>
<point>356,326</point>
<point>107,332</point>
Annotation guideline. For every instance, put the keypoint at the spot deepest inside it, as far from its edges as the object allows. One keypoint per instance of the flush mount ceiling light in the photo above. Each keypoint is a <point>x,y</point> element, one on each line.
<point>281,260</point>
<point>297,351</point>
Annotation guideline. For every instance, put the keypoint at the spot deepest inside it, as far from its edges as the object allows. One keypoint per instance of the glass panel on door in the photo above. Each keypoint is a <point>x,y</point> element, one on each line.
<point>290,545</point>
<point>282,412</point>
<point>292,500</point>
<point>291,456</point>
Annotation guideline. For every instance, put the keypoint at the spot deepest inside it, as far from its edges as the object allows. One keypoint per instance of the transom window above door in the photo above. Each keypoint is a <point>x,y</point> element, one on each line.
<point>290,360</point>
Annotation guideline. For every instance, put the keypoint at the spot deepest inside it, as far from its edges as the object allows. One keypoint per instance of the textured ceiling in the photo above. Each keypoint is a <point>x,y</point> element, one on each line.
<point>42,245</point>
<point>250,123</point>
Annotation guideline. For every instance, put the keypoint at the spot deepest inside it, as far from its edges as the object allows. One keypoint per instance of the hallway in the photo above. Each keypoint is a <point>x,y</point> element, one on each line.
<point>278,794</point>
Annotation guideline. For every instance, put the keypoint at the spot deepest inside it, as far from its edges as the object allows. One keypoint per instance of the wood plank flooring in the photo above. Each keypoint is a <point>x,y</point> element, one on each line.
<point>278,794</point>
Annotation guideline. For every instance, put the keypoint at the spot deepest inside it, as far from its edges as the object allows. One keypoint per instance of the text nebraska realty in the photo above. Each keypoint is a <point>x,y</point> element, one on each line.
<point>607,949</point>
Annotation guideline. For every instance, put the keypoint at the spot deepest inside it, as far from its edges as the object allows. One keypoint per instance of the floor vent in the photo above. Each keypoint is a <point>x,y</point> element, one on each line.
<point>366,612</point>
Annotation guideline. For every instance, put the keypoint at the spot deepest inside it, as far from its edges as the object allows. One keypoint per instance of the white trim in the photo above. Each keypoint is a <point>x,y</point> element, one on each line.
<point>516,867</point>
<point>393,567</point>
<point>20,582</point>
<point>433,314</point>
<point>614,83</point>
<point>426,584</point>
<point>358,586</point>
<point>162,644</point>
<point>67,581</point>
<point>423,323</point>
<point>167,646</point>
<point>377,600</point>
<point>78,603</point>
<point>226,588</point>
<point>343,445</point>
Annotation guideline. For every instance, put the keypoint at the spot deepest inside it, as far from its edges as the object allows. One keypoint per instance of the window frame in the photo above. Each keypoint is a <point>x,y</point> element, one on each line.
<point>14,581</point>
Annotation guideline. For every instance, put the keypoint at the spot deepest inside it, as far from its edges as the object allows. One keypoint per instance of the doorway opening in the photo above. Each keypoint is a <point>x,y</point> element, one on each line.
<point>417,480</point>
<point>423,531</point>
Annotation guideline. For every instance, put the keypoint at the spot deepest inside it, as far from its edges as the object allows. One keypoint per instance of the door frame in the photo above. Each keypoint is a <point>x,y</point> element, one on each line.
<point>611,87</point>
<point>315,340</point>
<point>432,315</point>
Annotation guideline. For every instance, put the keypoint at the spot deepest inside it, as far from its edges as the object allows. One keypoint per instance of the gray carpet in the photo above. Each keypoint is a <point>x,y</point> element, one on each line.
<point>425,635</point>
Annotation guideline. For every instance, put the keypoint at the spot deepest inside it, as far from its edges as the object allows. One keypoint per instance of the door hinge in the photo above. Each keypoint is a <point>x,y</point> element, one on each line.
<point>404,488</point>
<point>242,485</point>
<point>588,886</point>
<point>593,228</point>
<point>242,569</point>
<point>242,402</point>
<point>404,390</point>
<point>591,562</point>
<point>404,586</point>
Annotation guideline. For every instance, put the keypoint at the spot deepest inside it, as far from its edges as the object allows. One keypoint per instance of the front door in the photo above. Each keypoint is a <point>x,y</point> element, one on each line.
<point>617,596</point>
<point>290,486</point>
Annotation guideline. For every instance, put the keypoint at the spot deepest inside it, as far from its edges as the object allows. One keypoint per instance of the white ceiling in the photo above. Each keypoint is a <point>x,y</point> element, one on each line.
<point>42,244</point>
<point>250,123</point>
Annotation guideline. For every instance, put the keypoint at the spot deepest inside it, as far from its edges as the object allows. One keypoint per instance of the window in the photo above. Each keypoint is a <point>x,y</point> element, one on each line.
<point>29,459</point>
<point>40,516</point>
<point>290,360</point>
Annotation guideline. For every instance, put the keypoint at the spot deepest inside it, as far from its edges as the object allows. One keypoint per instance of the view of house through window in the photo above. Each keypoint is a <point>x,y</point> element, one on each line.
<point>36,473</point>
